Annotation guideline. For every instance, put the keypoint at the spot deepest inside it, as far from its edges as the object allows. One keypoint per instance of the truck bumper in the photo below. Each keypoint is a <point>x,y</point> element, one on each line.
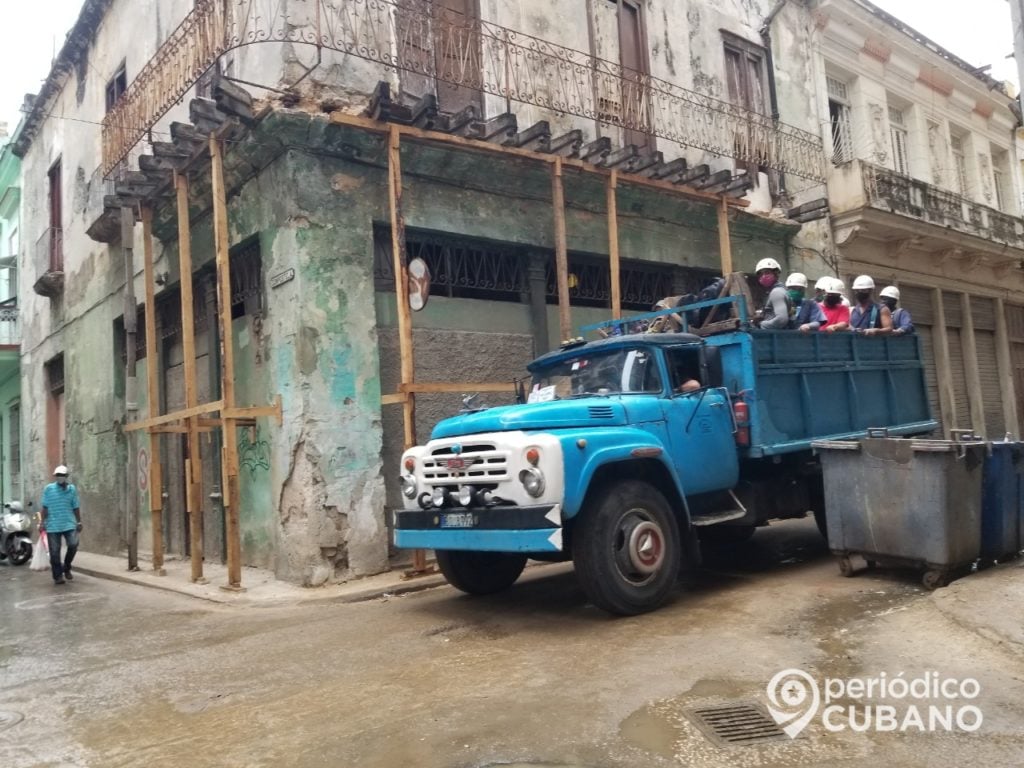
<point>491,529</point>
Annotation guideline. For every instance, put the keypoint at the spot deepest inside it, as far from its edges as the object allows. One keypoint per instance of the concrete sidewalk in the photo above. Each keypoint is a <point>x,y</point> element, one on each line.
<point>260,588</point>
<point>989,602</point>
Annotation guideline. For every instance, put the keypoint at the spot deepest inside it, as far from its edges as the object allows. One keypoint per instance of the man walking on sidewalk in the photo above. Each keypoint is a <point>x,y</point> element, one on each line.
<point>62,520</point>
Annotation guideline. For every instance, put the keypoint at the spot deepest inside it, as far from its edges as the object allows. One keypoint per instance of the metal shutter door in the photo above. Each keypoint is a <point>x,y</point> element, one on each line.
<point>956,366</point>
<point>918,301</point>
<point>983,313</point>
<point>1015,330</point>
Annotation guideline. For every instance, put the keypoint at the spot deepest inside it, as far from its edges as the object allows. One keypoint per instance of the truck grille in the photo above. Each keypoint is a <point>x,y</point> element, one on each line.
<point>480,463</point>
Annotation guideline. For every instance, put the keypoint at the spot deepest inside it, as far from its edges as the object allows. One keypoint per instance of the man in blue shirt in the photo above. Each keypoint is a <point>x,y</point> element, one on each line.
<point>62,520</point>
<point>902,324</point>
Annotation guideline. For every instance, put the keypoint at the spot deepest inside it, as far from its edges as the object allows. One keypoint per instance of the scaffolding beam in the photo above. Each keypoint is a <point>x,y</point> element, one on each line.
<point>155,480</point>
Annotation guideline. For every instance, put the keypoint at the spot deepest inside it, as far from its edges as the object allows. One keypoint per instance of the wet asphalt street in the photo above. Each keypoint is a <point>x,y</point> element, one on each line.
<point>98,673</point>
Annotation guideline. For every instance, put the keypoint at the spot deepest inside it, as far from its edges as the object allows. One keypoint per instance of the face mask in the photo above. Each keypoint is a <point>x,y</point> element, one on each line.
<point>62,481</point>
<point>795,295</point>
<point>832,300</point>
<point>819,296</point>
<point>863,296</point>
<point>890,303</point>
<point>767,280</point>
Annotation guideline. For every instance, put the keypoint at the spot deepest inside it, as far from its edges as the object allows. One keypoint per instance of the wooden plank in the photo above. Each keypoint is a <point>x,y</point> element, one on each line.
<point>1004,359</point>
<point>232,531</point>
<point>395,399</point>
<point>254,411</point>
<point>156,497</point>
<point>170,418</point>
<point>613,244</point>
<point>193,471</point>
<point>561,251</point>
<point>724,242</point>
<point>437,387</point>
<point>401,271</point>
<point>436,137</point>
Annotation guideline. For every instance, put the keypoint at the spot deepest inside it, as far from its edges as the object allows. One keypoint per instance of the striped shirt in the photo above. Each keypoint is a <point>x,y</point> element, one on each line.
<point>60,504</point>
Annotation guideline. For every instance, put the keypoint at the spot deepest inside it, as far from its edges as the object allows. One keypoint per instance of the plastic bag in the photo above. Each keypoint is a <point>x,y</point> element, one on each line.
<point>40,555</point>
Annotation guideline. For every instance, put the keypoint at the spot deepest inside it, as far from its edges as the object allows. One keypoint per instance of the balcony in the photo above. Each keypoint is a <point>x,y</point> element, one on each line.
<point>858,184</point>
<point>445,47</point>
<point>48,260</point>
<point>10,323</point>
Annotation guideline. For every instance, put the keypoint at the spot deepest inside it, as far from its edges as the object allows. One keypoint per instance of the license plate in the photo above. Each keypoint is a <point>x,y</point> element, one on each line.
<point>457,520</point>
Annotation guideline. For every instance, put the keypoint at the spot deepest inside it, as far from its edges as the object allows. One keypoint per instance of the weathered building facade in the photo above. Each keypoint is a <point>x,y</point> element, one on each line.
<point>924,189</point>
<point>679,105</point>
<point>10,322</point>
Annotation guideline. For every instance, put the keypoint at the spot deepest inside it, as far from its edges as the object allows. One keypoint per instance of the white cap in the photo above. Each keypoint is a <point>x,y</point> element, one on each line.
<point>768,264</point>
<point>835,285</point>
<point>61,470</point>
<point>796,280</point>
<point>864,283</point>
<point>890,292</point>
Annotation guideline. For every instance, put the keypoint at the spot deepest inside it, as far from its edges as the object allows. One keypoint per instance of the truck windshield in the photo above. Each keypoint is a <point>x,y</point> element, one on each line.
<point>618,371</point>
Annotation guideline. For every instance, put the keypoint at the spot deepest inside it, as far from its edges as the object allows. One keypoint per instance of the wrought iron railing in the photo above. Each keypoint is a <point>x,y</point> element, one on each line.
<point>417,37</point>
<point>917,199</point>
<point>49,252</point>
<point>10,324</point>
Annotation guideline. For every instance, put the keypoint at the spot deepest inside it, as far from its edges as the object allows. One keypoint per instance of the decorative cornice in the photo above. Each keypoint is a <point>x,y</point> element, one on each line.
<point>930,77</point>
<point>877,49</point>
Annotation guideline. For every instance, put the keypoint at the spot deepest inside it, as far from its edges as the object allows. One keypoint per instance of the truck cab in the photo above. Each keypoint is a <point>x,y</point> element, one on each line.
<point>628,448</point>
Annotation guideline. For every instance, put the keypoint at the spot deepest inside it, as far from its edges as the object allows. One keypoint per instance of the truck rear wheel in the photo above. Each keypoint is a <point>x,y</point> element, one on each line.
<point>627,551</point>
<point>480,573</point>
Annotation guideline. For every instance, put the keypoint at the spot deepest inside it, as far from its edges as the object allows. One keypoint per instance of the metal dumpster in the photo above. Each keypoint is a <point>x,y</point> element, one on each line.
<point>1001,501</point>
<point>914,503</point>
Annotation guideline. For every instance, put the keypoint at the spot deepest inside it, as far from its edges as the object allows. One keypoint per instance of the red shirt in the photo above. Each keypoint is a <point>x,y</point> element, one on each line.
<point>835,315</point>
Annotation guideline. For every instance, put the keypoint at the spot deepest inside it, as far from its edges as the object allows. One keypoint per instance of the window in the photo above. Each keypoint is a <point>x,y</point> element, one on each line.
<point>620,371</point>
<point>116,87</point>
<point>14,425</point>
<point>55,427</point>
<point>1001,179</point>
<point>956,145</point>
<point>898,135</point>
<point>683,366</point>
<point>744,72</point>
<point>56,232</point>
<point>839,119</point>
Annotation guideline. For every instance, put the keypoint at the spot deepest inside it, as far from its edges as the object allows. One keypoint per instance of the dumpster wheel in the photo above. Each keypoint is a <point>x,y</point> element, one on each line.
<point>845,566</point>
<point>934,579</point>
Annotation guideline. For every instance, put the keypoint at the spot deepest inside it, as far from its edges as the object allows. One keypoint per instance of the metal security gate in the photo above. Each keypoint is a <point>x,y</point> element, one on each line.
<point>1015,331</point>
<point>983,313</point>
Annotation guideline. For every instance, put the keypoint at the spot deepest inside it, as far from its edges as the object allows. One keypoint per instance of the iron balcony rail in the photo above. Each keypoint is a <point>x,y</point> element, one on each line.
<point>10,323</point>
<point>910,197</point>
<point>417,37</point>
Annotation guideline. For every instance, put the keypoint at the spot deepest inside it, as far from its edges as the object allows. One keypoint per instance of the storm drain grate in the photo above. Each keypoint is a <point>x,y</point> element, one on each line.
<point>735,724</point>
<point>7,719</point>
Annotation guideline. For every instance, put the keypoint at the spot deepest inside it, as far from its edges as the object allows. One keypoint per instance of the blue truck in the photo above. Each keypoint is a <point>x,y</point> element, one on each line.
<point>632,449</point>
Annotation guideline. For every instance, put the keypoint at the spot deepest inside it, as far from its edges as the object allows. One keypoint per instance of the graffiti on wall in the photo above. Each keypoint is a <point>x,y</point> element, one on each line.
<point>253,451</point>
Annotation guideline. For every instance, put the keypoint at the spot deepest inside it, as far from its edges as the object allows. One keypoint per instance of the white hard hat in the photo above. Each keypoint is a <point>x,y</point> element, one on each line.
<point>61,470</point>
<point>890,292</point>
<point>768,264</point>
<point>796,280</point>
<point>823,283</point>
<point>835,285</point>
<point>864,283</point>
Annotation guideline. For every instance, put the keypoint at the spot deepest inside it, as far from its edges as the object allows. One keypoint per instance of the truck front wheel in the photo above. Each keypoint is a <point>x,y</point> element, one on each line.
<point>480,573</point>
<point>627,551</point>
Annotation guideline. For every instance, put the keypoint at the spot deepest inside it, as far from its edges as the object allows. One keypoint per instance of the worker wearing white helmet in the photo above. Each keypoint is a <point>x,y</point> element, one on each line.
<point>776,312</point>
<point>821,287</point>
<point>837,314</point>
<point>902,324</point>
<point>808,315</point>
<point>867,316</point>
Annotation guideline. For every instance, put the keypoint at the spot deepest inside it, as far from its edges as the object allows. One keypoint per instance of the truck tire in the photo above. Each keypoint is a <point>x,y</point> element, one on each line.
<point>480,573</point>
<point>627,551</point>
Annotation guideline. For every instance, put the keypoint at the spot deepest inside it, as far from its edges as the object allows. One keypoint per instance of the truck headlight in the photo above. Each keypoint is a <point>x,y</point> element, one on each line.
<point>533,481</point>
<point>439,496</point>
<point>465,496</point>
<point>409,486</point>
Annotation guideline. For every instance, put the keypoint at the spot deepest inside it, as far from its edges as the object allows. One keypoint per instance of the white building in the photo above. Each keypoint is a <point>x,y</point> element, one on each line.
<point>924,190</point>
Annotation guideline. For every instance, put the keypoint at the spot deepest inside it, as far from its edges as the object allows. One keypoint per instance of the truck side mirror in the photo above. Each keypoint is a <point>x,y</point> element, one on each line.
<point>711,366</point>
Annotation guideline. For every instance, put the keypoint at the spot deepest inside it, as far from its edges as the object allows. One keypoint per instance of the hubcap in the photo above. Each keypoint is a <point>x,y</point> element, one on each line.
<point>639,547</point>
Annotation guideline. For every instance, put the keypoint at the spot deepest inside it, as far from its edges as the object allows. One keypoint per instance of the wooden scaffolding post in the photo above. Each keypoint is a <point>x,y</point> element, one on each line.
<point>724,245</point>
<point>561,252</point>
<point>194,466</point>
<point>613,244</point>
<point>156,482</point>
<point>401,270</point>
<point>232,497</point>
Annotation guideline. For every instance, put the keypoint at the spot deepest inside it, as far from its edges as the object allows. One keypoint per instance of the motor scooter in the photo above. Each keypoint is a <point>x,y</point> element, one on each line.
<point>15,536</point>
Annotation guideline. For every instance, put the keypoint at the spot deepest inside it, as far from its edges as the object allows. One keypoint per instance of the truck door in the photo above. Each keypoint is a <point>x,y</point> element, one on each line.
<point>700,425</point>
